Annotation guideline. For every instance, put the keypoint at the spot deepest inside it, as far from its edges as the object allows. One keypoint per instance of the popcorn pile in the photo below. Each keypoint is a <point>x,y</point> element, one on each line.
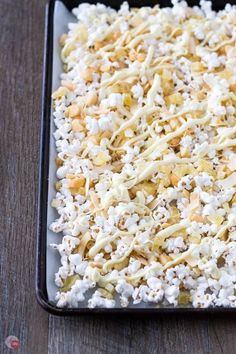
<point>146,141</point>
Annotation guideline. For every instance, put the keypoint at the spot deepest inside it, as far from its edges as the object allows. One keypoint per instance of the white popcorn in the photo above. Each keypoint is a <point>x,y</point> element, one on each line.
<point>75,295</point>
<point>62,171</point>
<point>125,290</point>
<point>185,183</point>
<point>76,259</point>
<point>106,122</point>
<point>186,141</point>
<point>133,266</point>
<point>137,91</point>
<point>171,294</point>
<point>92,125</point>
<point>98,301</point>
<point>203,180</point>
<point>154,283</point>
<point>114,100</point>
<point>175,244</point>
<point>202,300</point>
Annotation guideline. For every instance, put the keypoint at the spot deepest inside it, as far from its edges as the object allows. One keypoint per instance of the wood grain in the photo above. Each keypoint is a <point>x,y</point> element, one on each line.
<point>21,43</point>
<point>138,335</point>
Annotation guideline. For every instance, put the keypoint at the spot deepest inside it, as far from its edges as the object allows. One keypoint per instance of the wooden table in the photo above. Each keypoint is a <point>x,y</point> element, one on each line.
<point>21,47</point>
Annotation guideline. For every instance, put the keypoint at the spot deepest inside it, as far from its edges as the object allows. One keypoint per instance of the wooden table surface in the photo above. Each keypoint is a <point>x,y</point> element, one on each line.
<point>21,47</point>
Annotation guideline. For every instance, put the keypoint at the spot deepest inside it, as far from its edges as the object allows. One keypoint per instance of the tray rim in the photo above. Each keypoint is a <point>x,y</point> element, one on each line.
<point>40,278</point>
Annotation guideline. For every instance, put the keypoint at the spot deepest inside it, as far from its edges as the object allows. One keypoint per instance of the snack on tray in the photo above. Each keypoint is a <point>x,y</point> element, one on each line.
<point>146,142</point>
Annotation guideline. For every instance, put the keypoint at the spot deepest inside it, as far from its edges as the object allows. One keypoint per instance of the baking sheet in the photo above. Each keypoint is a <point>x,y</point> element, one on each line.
<point>45,287</point>
<point>60,25</point>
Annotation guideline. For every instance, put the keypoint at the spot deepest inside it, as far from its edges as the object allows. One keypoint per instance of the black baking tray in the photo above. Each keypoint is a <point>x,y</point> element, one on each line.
<point>40,283</point>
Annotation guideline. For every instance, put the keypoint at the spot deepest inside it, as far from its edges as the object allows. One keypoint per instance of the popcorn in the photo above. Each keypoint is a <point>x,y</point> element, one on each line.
<point>133,266</point>
<point>144,132</point>
<point>125,290</point>
<point>203,180</point>
<point>137,91</point>
<point>174,245</point>
<point>98,301</point>
<point>185,183</point>
<point>171,294</point>
<point>200,299</point>
<point>92,125</point>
